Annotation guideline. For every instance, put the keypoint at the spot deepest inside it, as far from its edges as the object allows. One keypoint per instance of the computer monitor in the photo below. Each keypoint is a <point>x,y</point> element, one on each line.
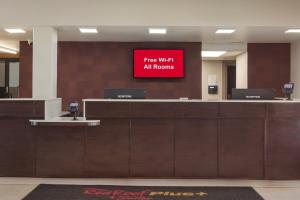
<point>253,94</point>
<point>120,93</point>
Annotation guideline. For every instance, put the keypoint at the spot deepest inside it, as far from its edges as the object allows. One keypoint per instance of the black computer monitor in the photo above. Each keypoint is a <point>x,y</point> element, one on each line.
<point>120,93</point>
<point>253,93</point>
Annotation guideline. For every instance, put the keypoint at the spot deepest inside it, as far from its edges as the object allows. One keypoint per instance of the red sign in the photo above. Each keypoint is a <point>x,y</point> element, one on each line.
<point>158,63</point>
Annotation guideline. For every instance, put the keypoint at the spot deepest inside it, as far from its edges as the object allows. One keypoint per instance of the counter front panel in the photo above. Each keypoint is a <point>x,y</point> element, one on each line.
<point>155,139</point>
<point>17,140</point>
<point>198,139</point>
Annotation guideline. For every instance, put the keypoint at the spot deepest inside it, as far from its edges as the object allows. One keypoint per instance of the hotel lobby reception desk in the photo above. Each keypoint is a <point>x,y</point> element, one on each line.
<point>194,139</point>
<point>158,139</point>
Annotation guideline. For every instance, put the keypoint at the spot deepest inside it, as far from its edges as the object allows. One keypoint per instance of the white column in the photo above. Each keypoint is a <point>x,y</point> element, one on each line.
<point>44,66</point>
<point>242,71</point>
<point>295,68</point>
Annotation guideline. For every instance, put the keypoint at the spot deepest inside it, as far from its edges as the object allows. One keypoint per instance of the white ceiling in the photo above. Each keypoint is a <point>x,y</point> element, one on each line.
<point>261,21</point>
<point>241,13</point>
<point>229,55</point>
<point>234,44</point>
<point>188,34</point>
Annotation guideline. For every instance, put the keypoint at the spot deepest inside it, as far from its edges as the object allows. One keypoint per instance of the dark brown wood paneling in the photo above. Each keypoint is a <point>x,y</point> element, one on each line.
<point>107,149</point>
<point>241,148</point>
<point>153,110</point>
<point>86,68</point>
<point>107,110</point>
<point>269,65</point>
<point>241,110</point>
<point>152,148</point>
<point>60,152</point>
<point>175,140</point>
<point>39,109</point>
<point>19,108</point>
<point>25,70</point>
<point>280,110</point>
<point>196,148</point>
<point>16,147</point>
<point>197,110</point>
<point>283,149</point>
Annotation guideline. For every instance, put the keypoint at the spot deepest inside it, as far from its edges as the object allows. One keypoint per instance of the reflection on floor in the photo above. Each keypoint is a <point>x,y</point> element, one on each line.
<point>17,188</point>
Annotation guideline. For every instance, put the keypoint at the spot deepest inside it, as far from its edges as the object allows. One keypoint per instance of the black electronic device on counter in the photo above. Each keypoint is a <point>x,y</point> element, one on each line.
<point>118,93</point>
<point>288,89</point>
<point>253,94</point>
<point>212,89</point>
<point>74,109</point>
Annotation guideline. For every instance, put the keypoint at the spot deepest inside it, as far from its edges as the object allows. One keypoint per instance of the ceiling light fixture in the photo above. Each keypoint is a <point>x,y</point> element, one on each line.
<point>225,31</point>
<point>294,30</point>
<point>88,30</point>
<point>15,30</point>
<point>212,54</point>
<point>157,31</point>
<point>7,50</point>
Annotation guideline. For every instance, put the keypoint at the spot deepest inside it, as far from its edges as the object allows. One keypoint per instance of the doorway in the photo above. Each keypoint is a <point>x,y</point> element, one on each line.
<point>231,80</point>
<point>9,77</point>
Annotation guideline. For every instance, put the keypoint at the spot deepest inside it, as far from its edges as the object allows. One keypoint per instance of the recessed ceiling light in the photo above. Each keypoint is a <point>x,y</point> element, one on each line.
<point>157,30</point>
<point>7,50</point>
<point>212,54</point>
<point>15,30</point>
<point>294,30</point>
<point>225,31</point>
<point>88,30</point>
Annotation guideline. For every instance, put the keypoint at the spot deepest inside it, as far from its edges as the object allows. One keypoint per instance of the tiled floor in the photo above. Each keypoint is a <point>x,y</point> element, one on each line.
<point>17,188</point>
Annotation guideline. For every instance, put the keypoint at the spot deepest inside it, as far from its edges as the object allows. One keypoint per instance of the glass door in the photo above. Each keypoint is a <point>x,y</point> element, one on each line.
<point>14,79</point>
<point>2,80</point>
<point>9,78</point>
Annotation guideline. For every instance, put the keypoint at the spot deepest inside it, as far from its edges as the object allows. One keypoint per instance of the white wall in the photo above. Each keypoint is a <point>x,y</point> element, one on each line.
<point>242,71</point>
<point>224,80</point>
<point>212,68</point>
<point>295,68</point>
<point>150,12</point>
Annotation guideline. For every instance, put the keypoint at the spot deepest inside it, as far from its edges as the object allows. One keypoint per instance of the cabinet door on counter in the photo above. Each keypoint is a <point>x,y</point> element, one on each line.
<point>16,147</point>
<point>152,148</point>
<point>107,148</point>
<point>60,151</point>
<point>196,148</point>
<point>283,141</point>
<point>241,140</point>
<point>241,148</point>
<point>283,149</point>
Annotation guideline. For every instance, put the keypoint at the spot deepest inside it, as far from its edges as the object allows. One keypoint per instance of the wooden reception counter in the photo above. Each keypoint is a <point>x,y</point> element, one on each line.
<point>156,139</point>
<point>194,138</point>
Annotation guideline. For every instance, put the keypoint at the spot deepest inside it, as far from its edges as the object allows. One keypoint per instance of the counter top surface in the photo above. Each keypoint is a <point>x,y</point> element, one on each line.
<point>191,100</point>
<point>68,121</point>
